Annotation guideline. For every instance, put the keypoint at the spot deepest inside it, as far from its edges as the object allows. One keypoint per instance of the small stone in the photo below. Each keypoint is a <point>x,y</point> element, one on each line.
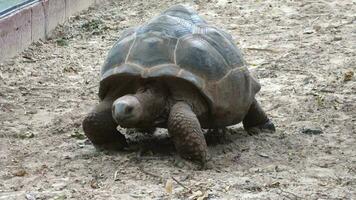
<point>234,26</point>
<point>317,27</point>
<point>312,131</point>
<point>27,135</point>
<point>337,38</point>
<point>348,76</point>
<point>30,196</point>
<point>274,185</point>
<point>60,197</point>
<point>236,158</point>
<point>196,194</point>
<point>78,135</point>
<point>253,187</point>
<point>308,31</point>
<point>263,155</point>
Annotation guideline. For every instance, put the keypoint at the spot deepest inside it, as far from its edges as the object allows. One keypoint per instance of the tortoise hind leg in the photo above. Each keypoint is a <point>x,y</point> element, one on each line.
<point>256,120</point>
<point>100,127</point>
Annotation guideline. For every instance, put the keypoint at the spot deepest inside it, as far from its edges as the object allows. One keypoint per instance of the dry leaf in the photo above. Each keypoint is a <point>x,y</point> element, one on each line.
<point>205,196</point>
<point>20,172</point>
<point>94,184</point>
<point>196,194</point>
<point>169,186</point>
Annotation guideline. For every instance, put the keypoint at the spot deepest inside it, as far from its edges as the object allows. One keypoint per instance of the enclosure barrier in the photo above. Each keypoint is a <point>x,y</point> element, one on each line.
<point>25,21</point>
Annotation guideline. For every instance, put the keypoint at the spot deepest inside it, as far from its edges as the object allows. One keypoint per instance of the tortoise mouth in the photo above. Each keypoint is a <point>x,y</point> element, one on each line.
<point>126,122</point>
<point>122,121</point>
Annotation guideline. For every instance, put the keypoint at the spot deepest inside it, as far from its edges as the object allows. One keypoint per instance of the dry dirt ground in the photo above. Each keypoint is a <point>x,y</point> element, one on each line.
<point>303,53</point>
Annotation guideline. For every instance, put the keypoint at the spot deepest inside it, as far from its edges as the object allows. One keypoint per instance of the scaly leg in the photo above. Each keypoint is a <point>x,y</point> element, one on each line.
<point>100,127</point>
<point>186,133</point>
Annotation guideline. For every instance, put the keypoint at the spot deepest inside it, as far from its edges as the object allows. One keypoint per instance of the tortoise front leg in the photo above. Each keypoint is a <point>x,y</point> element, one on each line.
<point>186,133</point>
<point>100,127</point>
<point>256,120</point>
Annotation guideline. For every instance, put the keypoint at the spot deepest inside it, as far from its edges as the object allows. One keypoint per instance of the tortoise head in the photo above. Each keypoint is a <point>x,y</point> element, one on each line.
<point>142,109</point>
<point>127,111</point>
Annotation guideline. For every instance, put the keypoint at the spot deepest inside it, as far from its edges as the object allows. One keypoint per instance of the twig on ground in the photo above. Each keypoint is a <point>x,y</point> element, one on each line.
<point>262,49</point>
<point>283,193</point>
<point>281,57</point>
<point>181,184</point>
<point>273,107</point>
<point>150,173</point>
<point>115,175</point>
<point>346,23</point>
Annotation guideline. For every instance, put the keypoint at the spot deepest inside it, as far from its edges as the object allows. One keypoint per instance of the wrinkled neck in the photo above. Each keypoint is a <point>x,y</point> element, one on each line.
<point>153,101</point>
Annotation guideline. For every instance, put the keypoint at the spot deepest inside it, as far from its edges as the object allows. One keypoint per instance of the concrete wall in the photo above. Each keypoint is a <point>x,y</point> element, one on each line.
<point>19,29</point>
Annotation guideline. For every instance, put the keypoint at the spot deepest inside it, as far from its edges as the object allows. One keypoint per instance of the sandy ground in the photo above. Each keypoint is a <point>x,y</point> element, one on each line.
<point>303,53</point>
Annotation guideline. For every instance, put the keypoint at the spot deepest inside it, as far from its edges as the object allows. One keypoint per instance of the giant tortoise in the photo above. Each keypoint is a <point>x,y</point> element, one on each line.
<point>177,72</point>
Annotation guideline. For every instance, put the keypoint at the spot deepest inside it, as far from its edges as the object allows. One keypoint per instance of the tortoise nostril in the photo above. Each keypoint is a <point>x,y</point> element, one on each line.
<point>128,109</point>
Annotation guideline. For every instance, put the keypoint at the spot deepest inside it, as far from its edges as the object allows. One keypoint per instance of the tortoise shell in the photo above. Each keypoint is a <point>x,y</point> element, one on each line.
<point>180,44</point>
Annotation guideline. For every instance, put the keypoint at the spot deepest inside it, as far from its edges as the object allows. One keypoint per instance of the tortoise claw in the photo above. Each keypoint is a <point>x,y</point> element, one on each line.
<point>266,127</point>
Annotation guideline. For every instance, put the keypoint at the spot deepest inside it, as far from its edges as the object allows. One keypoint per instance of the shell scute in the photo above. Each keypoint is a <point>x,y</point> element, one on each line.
<point>185,13</point>
<point>196,55</point>
<point>151,49</point>
<point>174,27</point>
<point>224,46</point>
<point>117,55</point>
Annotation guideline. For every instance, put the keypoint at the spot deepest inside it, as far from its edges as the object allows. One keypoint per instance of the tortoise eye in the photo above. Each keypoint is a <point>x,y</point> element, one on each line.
<point>142,89</point>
